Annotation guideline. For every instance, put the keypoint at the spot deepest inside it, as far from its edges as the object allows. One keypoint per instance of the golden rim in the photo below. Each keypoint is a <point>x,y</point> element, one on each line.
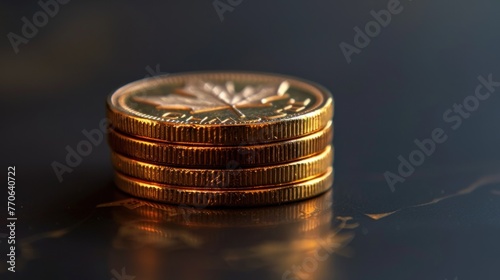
<point>225,178</point>
<point>295,126</point>
<point>220,156</point>
<point>232,198</point>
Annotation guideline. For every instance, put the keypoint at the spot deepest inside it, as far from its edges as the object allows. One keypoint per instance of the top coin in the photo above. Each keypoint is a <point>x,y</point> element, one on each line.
<point>220,108</point>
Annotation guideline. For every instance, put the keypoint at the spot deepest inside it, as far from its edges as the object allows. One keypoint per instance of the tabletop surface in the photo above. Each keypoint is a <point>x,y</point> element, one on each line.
<point>416,136</point>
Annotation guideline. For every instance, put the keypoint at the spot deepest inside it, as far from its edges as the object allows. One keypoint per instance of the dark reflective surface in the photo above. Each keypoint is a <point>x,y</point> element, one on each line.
<point>446,220</point>
<point>453,235</point>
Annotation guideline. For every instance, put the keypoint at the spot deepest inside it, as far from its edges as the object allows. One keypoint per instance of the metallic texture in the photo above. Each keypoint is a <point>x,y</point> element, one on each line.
<point>226,178</point>
<point>220,156</point>
<point>231,139</point>
<point>231,198</point>
<point>220,108</point>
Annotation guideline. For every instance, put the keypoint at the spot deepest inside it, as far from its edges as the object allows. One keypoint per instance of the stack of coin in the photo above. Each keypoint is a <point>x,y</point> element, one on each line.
<point>222,139</point>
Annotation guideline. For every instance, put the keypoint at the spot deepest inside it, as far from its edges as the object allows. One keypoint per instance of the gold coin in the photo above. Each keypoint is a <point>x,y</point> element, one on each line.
<point>233,197</point>
<point>226,178</point>
<point>220,108</point>
<point>220,156</point>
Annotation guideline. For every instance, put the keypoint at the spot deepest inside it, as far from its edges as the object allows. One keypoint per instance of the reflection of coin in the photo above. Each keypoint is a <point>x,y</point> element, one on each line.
<point>230,197</point>
<point>164,225</point>
<point>226,178</point>
<point>308,211</point>
<point>221,156</point>
<point>220,108</point>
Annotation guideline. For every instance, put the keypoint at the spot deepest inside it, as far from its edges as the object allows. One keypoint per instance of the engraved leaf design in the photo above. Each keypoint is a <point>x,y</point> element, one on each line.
<point>198,96</point>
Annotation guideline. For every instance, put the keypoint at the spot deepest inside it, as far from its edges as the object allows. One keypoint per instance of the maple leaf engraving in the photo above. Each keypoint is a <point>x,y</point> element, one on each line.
<point>198,97</point>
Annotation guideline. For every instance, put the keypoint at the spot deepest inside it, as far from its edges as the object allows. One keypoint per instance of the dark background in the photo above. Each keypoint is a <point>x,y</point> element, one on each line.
<point>395,91</point>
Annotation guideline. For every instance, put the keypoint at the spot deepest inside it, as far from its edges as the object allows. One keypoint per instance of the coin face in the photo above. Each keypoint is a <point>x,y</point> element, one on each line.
<point>220,107</point>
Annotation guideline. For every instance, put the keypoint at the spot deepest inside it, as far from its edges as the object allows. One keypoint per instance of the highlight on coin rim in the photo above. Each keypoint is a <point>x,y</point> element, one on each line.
<point>247,197</point>
<point>202,178</point>
<point>312,87</point>
<point>158,152</point>
<point>297,125</point>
